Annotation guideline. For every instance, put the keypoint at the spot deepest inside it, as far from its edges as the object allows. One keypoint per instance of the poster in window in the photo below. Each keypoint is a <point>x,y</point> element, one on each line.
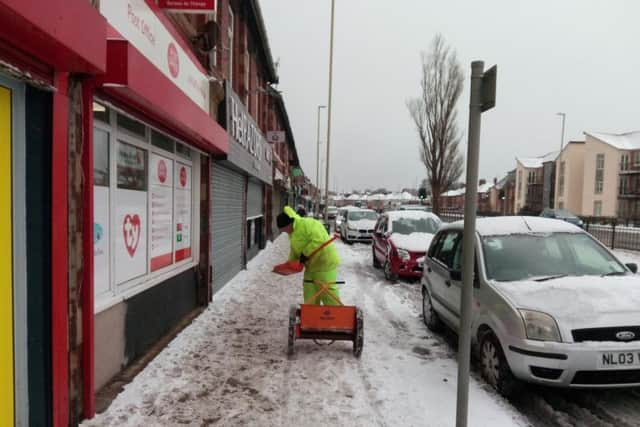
<point>182,184</point>
<point>130,231</point>
<point>101,239</point>
<point>161,193</point>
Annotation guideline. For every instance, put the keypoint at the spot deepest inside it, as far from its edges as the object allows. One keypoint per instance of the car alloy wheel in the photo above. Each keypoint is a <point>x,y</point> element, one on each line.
<point>495,369</point>
<point>429,315</point>
<point>388,274</point>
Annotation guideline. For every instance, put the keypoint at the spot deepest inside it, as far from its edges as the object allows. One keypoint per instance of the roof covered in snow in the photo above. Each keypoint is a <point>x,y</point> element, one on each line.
<point>498,226</point>
<point>395,215</point>
<point>621,141</point>
<point>537,162</point>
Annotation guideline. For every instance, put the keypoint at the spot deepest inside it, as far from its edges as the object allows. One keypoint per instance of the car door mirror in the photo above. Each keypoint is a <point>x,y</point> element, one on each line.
<point>633,267</point>
<point>455,275</point>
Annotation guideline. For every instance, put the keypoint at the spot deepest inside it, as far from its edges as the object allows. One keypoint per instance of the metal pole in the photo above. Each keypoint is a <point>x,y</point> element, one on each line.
<point>562,134</point>
<point>318,196</point>
<point>468,242</point>
<point>326,186</point>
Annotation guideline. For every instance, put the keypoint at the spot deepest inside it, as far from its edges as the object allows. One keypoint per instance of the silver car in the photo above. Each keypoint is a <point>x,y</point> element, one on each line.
<point>551,304</point>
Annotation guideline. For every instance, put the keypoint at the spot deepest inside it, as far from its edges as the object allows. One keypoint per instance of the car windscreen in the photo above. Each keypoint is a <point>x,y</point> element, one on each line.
<point>543,256</point>
<point>358,215</point>
<point>415,225</point>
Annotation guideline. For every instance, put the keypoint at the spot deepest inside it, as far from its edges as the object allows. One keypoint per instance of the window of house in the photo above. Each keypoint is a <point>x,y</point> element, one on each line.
<point>599,173</point>
<point>597,208</point>
<point>143,208</point>
<point>561,179</point>
<point>624,162</point>
<point>519,184</point>
<point>230,46</point>
<point>532,177</point>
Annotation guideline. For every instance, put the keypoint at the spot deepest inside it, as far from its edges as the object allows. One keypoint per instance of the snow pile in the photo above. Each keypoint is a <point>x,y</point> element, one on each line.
<point>229,366</point>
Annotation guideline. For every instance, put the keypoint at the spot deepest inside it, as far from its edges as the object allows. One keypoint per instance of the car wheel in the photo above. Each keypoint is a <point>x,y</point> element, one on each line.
<point>429,315</point>
<point>494,366</point>
<point>376,263</point>
<point>388,273</point>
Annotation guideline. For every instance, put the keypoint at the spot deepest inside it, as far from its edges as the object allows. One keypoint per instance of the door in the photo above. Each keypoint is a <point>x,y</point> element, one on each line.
<point>440,261</point>
<point>227,224</point>
<point>379,240</point>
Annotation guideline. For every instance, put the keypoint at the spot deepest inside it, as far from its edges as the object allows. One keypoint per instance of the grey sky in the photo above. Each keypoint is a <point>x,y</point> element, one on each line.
<point>575,56</point>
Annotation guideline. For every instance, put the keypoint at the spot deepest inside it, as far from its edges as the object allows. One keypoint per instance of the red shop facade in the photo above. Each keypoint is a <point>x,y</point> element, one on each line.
<point>111,113</point>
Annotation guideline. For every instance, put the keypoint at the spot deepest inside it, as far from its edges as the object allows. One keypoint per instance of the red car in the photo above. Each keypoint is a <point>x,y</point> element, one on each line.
<point>400,241</point>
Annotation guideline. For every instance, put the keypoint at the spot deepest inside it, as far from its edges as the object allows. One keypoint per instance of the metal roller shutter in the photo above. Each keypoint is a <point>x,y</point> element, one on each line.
<point>227,188</point>
<point>254,199</point>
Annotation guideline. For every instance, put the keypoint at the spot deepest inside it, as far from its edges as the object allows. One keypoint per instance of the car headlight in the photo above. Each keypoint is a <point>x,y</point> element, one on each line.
<point>404,255</point>
<point>351,229</point>
<point>540,326</point>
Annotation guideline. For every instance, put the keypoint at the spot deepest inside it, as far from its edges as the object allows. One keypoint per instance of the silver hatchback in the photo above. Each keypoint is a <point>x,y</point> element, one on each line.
<point>551,304</point>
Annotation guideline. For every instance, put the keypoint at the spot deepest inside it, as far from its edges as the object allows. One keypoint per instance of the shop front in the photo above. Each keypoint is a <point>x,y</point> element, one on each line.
<point>40,59</point>
<point>153,137</point>
<point>239,184</point>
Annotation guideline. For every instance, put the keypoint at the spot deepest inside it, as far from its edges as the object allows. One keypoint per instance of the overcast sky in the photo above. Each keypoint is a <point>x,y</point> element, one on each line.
<point>575,56</point>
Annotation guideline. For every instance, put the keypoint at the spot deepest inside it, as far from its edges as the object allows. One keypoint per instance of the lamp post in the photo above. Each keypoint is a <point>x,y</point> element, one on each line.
<point>326,203</point>
<point>564,116</point>
<point>318,164</point>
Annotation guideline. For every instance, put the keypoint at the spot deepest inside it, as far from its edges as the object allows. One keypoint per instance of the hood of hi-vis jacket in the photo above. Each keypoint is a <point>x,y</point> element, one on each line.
<point>308,235</point>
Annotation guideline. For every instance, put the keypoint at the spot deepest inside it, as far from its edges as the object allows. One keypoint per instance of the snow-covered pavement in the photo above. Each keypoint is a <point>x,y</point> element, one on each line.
<point>230,367</point>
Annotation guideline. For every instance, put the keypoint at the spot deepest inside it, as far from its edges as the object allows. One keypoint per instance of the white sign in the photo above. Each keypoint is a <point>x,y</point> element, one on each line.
<point>161,211</point>
<point>135,20</point>
<point>274,136</point>
<point>182,184</point>
<point>100,239</point>
<point>130,230</point>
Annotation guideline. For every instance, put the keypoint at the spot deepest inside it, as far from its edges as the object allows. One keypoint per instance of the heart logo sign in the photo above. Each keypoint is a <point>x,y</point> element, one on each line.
<point>131,230</point>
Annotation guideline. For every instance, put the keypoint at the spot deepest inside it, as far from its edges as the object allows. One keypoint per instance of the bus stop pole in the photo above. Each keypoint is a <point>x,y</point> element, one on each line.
<point>468,243</point>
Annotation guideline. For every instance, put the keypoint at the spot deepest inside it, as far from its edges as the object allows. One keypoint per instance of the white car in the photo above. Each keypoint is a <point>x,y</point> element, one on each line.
<point>357,225</point>
<point>552,305</point>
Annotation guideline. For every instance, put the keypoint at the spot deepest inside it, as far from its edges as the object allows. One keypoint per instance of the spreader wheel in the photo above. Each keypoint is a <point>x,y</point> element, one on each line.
<point>293,320</point>
<point>358,341</point>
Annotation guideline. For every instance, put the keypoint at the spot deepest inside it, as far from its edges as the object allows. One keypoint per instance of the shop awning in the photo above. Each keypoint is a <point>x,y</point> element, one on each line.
<point>133,80</point>
<point>68,35</point>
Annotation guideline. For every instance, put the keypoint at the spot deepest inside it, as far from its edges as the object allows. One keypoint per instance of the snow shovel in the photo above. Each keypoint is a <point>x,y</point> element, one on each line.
<point>326,322</point>
<point>294,267</point>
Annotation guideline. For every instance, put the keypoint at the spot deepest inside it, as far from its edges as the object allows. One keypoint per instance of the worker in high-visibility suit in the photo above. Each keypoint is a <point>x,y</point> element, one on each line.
<point>305,236</point>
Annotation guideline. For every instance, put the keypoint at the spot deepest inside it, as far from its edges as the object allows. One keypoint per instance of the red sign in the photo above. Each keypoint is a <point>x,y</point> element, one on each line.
<point>173,60</point>
<point>162,171</point>
<point>183,176</point>
<point>193,6</point>
<point>131,230</point>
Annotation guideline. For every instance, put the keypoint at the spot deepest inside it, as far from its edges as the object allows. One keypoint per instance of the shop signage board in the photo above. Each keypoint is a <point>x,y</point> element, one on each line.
<point>188,6</point>
<point>101,239</point>
<point>248,148</point>
<point>182,185</point>
<point>138,23</point>
<point>161,194</point>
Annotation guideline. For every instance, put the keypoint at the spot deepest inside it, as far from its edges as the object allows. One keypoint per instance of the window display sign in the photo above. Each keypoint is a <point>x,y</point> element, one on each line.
<point>189,6</point>
<point>101,239</point>
<point>131,234</point>
<point>161,193</point>
<point>182,234</point>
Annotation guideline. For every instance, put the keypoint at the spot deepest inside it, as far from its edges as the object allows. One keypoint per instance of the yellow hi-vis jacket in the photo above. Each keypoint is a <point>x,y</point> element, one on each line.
<point>308,235</point>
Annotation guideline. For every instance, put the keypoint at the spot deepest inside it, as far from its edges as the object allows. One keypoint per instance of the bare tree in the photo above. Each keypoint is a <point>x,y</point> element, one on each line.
<point>434,115</point>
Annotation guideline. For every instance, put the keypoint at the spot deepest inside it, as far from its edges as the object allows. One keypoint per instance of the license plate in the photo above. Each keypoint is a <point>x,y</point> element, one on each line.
<point>618,359</point>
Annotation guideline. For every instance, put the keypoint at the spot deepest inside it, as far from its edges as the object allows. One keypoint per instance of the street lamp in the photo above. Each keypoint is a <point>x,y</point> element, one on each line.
<point>326,203</point>
<point>562,134</point>
<point>318,163</point>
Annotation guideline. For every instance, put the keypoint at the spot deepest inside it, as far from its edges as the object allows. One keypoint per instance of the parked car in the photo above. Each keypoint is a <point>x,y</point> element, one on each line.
<point>342,213</point>
<point>357,225</point>
<point>413,208</point>
<point>400,241</point>
<point>552,305</point>
<point>332,211</point>
<point>562,214</point>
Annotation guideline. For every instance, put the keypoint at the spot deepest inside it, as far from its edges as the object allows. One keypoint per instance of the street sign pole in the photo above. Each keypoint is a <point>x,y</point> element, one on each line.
<point>482,98</point>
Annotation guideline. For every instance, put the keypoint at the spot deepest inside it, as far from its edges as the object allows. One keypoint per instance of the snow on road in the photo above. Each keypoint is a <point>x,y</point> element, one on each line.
<point>229,367</point>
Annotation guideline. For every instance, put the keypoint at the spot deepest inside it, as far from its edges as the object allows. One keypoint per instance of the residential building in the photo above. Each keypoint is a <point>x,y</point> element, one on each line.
<point>506,193</point>
<point>599,176</point>
<point>533,185</point>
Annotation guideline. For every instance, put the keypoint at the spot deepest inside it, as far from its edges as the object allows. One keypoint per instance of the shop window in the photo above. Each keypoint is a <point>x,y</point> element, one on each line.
<point>183,151</point>
<point>143,207</point>
<point>100,157</point>
<point>162,141</point>
<point>133,126</point>
<point>101,112</point>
